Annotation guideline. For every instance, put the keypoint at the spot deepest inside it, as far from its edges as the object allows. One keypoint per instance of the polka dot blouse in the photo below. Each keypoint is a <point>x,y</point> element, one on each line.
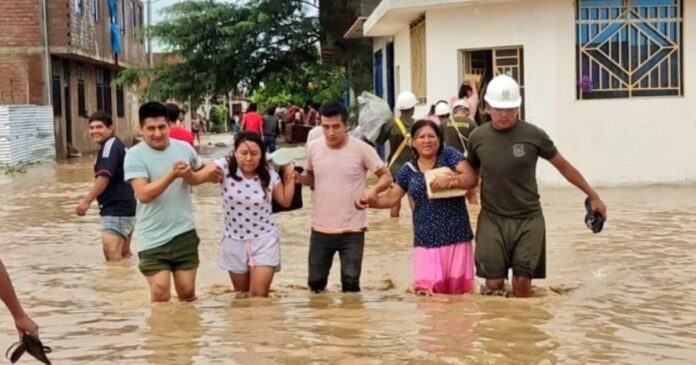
<point>247,208</point>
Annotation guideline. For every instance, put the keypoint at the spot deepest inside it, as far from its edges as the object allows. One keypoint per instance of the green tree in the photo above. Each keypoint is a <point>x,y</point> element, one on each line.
<point>218,115</point>
<point>307,83</point>
<point>227,47</point>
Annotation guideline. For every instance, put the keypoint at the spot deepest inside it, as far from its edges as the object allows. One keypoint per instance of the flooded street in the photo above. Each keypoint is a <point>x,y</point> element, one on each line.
<point>625,296</point>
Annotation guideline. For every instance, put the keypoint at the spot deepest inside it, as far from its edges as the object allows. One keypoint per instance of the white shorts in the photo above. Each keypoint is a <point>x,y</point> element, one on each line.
<point>237,256</point>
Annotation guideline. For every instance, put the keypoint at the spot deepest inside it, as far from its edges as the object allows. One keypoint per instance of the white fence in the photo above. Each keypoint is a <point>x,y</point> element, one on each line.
<point>26,134</point>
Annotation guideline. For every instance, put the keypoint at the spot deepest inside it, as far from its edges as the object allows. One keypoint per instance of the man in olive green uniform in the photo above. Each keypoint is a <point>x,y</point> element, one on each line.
<point>458,129</point>
<point>397,132</point>
<point>456,132</point>
<point>511,232</point>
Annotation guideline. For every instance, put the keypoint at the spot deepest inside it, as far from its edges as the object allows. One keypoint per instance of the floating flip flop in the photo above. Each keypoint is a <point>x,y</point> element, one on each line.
<point>284,156</point>
<point>32,345</point>
<point>593,221</point>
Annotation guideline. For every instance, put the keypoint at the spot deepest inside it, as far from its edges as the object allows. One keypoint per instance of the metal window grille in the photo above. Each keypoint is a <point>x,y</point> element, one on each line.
<point>120,106</point>
<point>95,10</point>
<point>100,88</point>
<point>418,61</point>
<point>56,88</point>
<point>629,48</point>
<point>81,102</point>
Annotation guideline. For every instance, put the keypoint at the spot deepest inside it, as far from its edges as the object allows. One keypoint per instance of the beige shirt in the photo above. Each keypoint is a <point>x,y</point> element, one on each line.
<point>340,177</point>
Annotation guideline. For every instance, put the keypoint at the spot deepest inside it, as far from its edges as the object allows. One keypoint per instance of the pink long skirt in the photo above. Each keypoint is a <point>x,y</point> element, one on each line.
<point>444,270</point>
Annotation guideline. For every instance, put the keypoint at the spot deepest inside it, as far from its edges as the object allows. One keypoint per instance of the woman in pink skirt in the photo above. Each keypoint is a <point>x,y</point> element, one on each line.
<point>443,256</point>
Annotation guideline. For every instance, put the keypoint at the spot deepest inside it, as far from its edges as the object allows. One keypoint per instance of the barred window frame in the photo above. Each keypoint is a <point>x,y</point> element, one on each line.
<point>419,78</point>
<point>629,48</point>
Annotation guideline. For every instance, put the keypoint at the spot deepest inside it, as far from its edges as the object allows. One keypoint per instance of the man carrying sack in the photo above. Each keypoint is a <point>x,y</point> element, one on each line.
<point>399,138</point>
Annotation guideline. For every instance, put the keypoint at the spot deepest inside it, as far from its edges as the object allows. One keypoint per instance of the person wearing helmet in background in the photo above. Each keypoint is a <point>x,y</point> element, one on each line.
<point>442,112</point>
<point>511,231</point>
<point>458,128</point>
<point>432,113</point>
<point>456,131</point>
<point>397,133</point>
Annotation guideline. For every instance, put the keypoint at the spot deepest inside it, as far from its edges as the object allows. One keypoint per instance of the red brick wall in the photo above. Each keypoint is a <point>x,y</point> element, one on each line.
<point>59,22</point>
<point>21,79</point>
<point>20,23</point>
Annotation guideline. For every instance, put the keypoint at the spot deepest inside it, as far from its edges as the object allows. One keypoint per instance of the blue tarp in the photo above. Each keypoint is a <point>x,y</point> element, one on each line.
<point>115,29</point>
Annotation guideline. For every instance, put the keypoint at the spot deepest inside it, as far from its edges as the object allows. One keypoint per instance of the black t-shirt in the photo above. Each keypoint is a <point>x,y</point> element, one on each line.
<point>117,200</point>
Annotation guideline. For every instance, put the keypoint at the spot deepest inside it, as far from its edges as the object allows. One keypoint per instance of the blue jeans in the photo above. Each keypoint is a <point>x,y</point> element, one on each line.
<point>270,142</point>
<point>322,248</point>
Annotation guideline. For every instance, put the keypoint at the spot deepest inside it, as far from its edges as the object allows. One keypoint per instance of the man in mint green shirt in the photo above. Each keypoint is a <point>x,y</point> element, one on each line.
<point>161,171</point>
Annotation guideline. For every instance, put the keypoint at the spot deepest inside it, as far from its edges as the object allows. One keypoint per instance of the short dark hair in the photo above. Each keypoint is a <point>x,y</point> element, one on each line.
<point>172,112</point>
<point>152,109</point>
<point>334,108</point>
<point>101,116</point>
<point>252,107</point>
<point>464,91</point>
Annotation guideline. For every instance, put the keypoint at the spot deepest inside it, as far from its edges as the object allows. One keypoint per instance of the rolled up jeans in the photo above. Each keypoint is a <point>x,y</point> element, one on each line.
<point>322,248</point>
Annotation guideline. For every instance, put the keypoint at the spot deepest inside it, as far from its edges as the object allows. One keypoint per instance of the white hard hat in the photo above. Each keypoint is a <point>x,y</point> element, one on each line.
<point>442,109</point>
<point>406,100</point>
<point>503,92</point>
<point>461,103</point>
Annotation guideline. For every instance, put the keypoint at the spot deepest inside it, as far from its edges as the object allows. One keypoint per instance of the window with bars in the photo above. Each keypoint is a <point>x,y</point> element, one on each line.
<point>104,90</point>
<point>418,65</point>
<point>629,48</point>
<point>120,106</point>
<point>122,19</point>
<point>77,6</point>
<point>134,18</point>
<point>141,21</point>
<point>56,88</point>
<point>81,97</point>
<point>95,10</point>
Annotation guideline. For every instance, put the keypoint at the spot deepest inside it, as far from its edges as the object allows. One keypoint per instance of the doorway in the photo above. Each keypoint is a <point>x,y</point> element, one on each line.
<point>66,101</point>
<point>492,62</point>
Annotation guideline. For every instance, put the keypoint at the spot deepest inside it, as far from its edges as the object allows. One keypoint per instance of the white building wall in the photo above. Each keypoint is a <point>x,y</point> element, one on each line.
<point>611,141</point>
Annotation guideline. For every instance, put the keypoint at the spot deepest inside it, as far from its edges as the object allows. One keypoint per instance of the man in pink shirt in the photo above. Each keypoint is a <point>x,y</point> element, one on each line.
<point>337,168</point>
<point>252,121</point>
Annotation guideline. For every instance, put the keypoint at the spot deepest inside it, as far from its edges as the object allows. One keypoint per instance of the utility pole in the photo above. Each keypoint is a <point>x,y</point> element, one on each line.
<point>149,38</point>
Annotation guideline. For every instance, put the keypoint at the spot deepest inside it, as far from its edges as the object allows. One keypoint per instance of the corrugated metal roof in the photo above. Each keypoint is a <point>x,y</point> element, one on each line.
<point>26,134</point>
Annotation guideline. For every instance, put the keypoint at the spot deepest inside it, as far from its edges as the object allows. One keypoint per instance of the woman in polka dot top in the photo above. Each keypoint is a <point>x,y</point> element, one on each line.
<point>250,247</point>
<point>443,260</point>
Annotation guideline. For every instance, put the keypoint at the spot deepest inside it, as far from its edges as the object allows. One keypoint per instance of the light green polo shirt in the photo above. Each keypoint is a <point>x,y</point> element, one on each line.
<point>171,214</point>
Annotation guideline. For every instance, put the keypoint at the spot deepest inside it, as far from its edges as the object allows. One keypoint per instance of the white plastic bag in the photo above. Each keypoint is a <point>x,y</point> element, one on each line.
<point>374,112</point>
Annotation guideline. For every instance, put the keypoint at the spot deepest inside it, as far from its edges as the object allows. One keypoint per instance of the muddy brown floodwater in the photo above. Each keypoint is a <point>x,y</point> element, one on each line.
<point>625,296</point>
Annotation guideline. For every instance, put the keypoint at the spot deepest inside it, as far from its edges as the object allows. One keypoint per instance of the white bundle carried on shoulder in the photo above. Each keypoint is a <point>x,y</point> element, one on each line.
<point>430,175</point>
<point>374,113</point>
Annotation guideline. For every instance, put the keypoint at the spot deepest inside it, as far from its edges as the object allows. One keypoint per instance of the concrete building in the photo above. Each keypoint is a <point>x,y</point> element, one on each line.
<point>613,82</point>
<point>60,52</point>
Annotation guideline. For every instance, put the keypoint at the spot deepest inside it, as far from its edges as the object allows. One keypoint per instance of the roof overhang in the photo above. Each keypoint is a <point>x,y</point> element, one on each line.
<point>391,16</point>
<point>356,30</point>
